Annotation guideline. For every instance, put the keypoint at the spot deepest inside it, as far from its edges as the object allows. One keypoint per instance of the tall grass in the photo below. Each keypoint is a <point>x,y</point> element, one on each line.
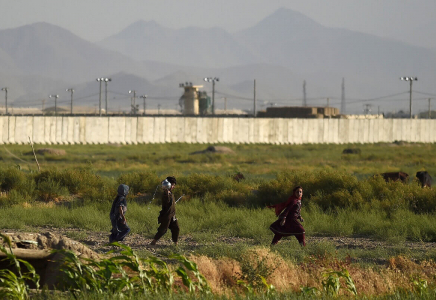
<point>201,218</point>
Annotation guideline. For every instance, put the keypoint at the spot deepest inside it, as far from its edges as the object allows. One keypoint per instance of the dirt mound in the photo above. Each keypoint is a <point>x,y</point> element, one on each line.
<point>215,149</point>
<point>51,151</point>
<point>49,241</point>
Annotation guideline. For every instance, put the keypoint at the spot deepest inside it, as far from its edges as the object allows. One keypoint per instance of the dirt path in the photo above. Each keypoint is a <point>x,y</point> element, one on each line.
<point>97,241</point>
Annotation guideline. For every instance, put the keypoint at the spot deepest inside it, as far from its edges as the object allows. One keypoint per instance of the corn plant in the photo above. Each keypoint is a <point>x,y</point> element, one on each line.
<point>127,272</point>
<point>420,286</point>
<point>309,291</point>
<point>331,284</point>
<point>14,285</point>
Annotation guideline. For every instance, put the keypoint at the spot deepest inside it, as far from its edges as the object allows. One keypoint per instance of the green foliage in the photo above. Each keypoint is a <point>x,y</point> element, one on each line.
<point>12,178</point>
<point>331,284</point>
<point>420,286</point>
<point>308,291</point>
<point>254,273</point>
<point>50,189</point>
<point>128,273</point>
<point>13,285</point>
<point>139,182</point>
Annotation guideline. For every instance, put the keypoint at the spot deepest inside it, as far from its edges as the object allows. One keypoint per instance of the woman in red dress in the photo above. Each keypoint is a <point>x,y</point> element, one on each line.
<point>289,215</point>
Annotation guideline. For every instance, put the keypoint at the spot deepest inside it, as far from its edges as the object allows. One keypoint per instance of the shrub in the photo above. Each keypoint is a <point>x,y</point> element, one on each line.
<point>50,190</point>
<point>12,178</point>
<point>140,182</point>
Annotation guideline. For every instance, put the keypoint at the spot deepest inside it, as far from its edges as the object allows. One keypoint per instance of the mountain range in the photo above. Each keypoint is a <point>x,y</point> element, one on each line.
<point>279,52</point>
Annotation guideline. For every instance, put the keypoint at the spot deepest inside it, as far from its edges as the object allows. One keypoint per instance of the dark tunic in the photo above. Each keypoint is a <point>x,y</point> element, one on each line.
<point>167,217</point>
<point>119,229</point>
<point>292,226</point>
<point>168,207</point>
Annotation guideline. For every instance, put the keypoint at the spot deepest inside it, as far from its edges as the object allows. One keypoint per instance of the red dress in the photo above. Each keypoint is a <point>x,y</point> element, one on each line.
<point>291,211</point>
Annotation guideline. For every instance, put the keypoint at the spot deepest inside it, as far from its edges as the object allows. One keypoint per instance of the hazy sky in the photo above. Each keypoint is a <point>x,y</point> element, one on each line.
<point>94,20</point>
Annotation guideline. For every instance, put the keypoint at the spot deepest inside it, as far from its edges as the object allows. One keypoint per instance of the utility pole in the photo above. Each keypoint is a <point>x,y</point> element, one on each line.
<point>43,105</point>
<point>343,97</point>
<point>328,102</point>
<point>71,91</point>
<point>411,80</point>
<point>429,108</point>
<point>56,102</point>
<point>100,80</point>
<point>133,101</point>
<point>213,80</point>
<point>143,97</point>
<point>254,100</point>
<point>225,104</point>
<point>105,90</point>
<point>304,94</point>
<point>6,99</point>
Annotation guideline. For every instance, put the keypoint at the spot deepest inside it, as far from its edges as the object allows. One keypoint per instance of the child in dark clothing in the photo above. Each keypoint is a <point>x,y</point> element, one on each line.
<point>167,216</point>
<point>289,216</point>
<point>118,215</point>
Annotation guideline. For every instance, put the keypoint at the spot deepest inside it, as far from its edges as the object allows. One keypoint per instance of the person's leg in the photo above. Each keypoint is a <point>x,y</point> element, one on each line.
<point>277,237</point>
<point>301,239</point>
<point>174,227</point>
<point>124,230</point>
<point>163,227</point>
<point>114,231</point>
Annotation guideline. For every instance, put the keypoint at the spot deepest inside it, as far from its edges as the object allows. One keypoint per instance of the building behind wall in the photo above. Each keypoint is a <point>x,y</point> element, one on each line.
<point>195,102</point>
<point>299,112</point>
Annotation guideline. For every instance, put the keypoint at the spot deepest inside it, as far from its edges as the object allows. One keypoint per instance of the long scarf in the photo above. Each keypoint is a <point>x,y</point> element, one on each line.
<point>281,206</point>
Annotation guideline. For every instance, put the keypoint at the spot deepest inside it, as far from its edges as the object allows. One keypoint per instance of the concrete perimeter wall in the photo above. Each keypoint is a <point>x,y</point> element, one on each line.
<point>133,130</point>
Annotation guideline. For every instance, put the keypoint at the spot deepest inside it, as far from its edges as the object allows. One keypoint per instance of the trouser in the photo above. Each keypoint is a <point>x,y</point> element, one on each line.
<point>300,237</point>
<point>173,225</point>
<point>119,231</point>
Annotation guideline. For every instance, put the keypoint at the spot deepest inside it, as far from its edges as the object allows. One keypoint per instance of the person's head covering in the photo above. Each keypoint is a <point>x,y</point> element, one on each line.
<point>123,190</point>
<point>172,180</point>
<point>281,206</point>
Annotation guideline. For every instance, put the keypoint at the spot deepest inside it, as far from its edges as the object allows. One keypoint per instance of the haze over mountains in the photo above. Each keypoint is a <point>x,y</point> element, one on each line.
<point>280,52</point>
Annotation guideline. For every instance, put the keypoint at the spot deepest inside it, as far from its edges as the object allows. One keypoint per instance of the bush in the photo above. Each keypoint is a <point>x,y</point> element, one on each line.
<point>331,190</point>
<point>141,182</point>
<point>12,178</point>
<point>50,190</point>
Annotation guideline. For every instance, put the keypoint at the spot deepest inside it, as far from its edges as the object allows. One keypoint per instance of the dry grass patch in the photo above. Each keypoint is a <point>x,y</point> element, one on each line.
<point>285,276</point>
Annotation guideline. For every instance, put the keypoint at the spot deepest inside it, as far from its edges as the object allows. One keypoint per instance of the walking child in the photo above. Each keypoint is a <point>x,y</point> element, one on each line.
<point>118,215</point>
<point>289,215</point>
<point>167,216</point>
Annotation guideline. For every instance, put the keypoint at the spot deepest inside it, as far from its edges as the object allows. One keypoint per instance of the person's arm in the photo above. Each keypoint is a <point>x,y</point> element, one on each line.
<point>120,209</point>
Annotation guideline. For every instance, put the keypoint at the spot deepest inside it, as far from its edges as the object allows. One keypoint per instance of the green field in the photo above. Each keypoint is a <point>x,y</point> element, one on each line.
<point>221,218</point>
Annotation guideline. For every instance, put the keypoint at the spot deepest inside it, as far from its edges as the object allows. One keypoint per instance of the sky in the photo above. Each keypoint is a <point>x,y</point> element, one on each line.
<point>95,20</point>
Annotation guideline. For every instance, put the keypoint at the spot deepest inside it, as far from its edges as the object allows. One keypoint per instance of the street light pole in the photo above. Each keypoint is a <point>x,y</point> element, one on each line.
<point>133,102</point>
<point>72,91</point>
<point>56,102</point>
<point>105,90</point>
<point>143,97</point>
<point>6,99</point>
<point>213,80</point>
<point>100,80</point>
<point>411,80</point>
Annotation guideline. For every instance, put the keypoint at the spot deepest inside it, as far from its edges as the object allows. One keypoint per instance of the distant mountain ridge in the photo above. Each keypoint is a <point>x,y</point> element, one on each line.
<point>279,52</point>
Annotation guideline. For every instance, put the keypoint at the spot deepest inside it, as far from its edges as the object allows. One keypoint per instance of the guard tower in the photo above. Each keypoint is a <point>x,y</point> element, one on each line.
<point>189,99</point>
